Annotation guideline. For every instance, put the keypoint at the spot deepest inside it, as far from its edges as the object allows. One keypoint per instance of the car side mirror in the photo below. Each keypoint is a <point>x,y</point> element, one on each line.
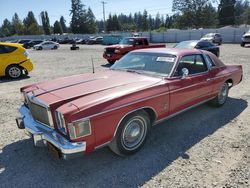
<point>185,72</point>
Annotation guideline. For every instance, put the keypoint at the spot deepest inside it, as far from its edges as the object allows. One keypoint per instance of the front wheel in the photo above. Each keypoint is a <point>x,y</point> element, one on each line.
<point>221,98</point>
<point>131,134</point>
<point>14,71</point>
<point>242,44</point>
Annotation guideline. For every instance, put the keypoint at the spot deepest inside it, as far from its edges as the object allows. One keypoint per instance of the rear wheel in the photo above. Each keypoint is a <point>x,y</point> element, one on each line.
<point>14,71</point>
<point>131,134</point>
<point>221,98</point>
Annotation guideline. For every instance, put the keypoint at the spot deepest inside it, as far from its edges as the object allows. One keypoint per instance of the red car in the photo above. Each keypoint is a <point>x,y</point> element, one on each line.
<point>117,107</point>
<point>115,52</point>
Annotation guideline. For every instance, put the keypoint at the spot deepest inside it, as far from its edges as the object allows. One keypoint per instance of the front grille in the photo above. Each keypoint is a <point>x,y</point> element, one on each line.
<point>110,50</point>
<point>247,37</point>
<point>39,113</point>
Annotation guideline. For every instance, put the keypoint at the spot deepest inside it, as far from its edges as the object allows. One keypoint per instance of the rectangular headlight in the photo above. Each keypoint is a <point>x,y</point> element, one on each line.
<point>60,122</point>
<point>79,129</point>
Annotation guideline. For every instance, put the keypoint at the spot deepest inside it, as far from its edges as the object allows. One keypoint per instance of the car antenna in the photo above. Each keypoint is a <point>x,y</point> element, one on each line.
<point>93,66</point>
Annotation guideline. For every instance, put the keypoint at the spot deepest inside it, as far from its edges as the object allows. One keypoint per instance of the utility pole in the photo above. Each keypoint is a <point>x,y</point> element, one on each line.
<point>103,11</point>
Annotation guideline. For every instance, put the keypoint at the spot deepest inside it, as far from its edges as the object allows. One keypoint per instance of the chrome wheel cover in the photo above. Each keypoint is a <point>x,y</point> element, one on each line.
<point>14,72</point>
<point>222,96</point>
<point>134,133</point>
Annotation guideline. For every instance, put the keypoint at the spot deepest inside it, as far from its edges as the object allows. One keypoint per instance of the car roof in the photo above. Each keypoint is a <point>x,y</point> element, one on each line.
<point>172,51</point>
<point>11,44</point>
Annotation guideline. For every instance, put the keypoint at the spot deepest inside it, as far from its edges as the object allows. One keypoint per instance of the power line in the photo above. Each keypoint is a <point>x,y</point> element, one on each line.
<point>103,11</point>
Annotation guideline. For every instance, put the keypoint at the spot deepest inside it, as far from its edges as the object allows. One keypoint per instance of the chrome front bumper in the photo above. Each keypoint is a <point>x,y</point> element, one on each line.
<point>43,135</point>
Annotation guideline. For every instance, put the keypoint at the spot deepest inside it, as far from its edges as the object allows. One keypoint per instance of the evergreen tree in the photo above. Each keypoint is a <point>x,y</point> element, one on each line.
<point>58,28</point>
<point>7,28</point>
<point>17,25</point>
<point>116,26</point>
<point>145,24</point>
<point>63,25</point>
<point>31,25</point>
<point>78,20</point>
<point>45,22</point>
<point>91,23</point>
<point>226,12</point>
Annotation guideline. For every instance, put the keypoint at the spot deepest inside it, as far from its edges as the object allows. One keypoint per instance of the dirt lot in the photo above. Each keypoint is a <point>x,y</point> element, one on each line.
<point>204,147</point>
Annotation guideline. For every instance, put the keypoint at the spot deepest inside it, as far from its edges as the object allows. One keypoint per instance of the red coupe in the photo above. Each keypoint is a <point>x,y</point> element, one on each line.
<point>117,107</point>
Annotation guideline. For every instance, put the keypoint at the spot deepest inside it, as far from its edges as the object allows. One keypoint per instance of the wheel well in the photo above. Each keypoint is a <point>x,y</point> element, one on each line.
<point>151,113</point>
<point>11,66</point>
<point>230,82</point>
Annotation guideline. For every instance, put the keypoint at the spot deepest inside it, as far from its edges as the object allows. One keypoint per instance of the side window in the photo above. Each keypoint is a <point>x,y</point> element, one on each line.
<point>6,49</point>
<point>209,61</point>
<point>2,49</point>
<point>194,63</point>
<point>139,42</point>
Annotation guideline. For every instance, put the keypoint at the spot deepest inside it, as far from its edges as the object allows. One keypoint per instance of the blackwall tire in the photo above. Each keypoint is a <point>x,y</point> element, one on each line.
<point>14,71</point>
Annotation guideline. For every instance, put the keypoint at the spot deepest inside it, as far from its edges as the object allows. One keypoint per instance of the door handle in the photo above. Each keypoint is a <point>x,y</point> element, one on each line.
<point>208,79</point>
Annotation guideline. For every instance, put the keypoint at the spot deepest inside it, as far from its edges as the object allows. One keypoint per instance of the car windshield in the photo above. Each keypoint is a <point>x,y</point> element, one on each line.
<point>209,35</point>
<point>152,64</point>
<point>128,41</point>
<point>186,44</point>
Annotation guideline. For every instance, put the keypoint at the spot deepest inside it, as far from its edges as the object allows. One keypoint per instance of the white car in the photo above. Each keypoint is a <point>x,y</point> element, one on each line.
<point>245,39</point>
<point>46,45</point>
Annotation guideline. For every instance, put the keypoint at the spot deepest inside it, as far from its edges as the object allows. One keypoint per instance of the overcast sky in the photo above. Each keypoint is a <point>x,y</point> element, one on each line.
<point>57,8</point>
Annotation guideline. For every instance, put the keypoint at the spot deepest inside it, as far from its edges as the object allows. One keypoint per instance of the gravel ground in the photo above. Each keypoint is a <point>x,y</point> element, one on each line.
<point>204,147</point>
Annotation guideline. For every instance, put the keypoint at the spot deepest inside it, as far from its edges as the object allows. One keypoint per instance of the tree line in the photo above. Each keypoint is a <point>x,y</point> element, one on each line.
<point>187,14</point>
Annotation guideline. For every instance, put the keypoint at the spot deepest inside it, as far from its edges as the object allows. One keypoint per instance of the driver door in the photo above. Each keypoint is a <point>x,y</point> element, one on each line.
<point>192,89</point>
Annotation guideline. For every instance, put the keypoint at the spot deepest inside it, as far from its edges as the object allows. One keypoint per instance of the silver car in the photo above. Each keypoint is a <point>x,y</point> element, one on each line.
<point>213,37</point>
<point>245,39</point>
<point>46,45</point>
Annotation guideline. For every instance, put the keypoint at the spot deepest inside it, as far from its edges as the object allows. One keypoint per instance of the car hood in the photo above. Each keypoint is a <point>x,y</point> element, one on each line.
<point>88,89</point>
<point>246,34</point>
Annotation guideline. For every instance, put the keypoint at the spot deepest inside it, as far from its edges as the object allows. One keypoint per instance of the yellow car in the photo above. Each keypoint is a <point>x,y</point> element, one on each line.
<point>14,61</point>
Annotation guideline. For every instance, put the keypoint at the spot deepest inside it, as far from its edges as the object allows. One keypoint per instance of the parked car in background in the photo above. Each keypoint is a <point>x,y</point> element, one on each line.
<point>95,40</point>
<point>213,37</point>
<point>199,44</point>
<point>24,42</point>
<point>32,43</point>
<point>115,52</point>
<point>46,45</point>
<point>80,41</point>
<point>245,39</point>
<point>111,39</point>
<point>118,107</point>
<point>14,61</point>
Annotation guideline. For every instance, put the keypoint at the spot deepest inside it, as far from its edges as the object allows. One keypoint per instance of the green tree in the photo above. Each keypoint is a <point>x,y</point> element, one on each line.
<point>226,12</point>
<point>58,28</point>
<point>190,12</point>
<point>109,23</point>
<point>116,26</point>
<point>45,22</point>
<point>7,28</point>
<point>78,20</point>
<point>145,24</point>
<point>246,16</point>
<point>31,25</point>
<point>91,23</point>
<point>62,22</point>
<point>17,25</point>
